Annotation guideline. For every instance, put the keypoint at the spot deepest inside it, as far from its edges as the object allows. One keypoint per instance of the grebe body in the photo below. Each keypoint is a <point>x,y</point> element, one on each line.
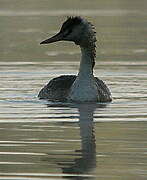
<point>84,87</point>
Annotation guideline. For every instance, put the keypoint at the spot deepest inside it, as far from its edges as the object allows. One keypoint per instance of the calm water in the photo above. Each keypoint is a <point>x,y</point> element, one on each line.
<point>40,140</point>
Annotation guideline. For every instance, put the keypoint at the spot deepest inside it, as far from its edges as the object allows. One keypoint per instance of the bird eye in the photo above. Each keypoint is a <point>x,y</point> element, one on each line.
<point>67,32</point>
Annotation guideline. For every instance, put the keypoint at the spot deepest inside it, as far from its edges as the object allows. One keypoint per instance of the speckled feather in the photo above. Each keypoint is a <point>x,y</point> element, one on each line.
<point>58,89</point>
<point>84,87</point>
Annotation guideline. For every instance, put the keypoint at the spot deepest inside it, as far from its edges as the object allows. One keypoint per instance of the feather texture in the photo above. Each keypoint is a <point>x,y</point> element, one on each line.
<point>58,89</point>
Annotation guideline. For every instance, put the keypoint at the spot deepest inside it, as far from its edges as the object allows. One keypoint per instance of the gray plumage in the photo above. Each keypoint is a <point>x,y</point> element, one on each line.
<point>58,89</point>
<point>84,87</point>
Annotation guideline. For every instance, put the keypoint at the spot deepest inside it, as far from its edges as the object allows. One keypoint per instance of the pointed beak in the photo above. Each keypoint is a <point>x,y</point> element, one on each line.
<point>57,37</point>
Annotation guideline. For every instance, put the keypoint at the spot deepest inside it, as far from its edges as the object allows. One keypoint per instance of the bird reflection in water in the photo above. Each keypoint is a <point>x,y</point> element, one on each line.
<point>82,167</point>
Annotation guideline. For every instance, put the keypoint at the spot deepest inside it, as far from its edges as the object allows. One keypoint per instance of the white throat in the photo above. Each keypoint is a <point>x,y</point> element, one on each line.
<point>86,69</point>
<point>84,88</point>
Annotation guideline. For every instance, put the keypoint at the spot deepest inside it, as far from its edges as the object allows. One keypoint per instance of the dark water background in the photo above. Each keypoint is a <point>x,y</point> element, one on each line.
<point>40,140</point>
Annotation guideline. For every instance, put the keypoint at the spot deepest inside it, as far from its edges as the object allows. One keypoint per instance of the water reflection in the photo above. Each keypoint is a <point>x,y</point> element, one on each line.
<point>58,143</point>
<point>82,167</point>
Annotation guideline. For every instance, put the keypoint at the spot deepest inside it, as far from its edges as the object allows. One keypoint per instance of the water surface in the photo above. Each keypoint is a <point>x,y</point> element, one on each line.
<point>43,140</point>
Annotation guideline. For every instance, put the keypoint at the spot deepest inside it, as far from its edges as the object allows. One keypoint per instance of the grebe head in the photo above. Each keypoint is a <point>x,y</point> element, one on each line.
<point>75,29</point>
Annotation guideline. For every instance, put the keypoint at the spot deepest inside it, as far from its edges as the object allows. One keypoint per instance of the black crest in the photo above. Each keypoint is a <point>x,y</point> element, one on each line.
<point>71,22</point>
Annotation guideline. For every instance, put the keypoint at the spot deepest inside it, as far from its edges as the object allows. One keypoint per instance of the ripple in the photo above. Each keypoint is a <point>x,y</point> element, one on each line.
<point>22,153</point>
<point>56,53</point>
<point>45,140</point>
<point>83,12</point>
<point>140,50</point>
<point>29,30</point>
<point>45,175</point>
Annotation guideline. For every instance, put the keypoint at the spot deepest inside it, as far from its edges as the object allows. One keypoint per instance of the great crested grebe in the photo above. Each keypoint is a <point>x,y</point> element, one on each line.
<point>84,87</point>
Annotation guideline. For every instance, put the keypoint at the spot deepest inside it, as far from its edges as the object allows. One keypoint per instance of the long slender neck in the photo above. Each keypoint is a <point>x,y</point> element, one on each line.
<point>87,62</point>
<point>84,87</point>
